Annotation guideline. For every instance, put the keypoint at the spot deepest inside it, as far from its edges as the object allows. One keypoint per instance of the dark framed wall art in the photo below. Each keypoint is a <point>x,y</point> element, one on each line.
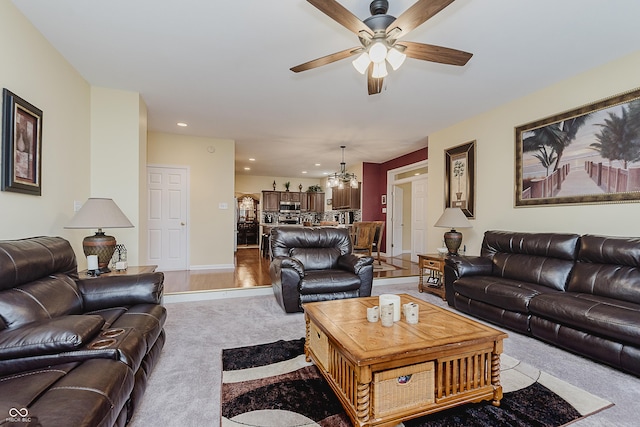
<point>587,155</point>
<point>21,145</point>
<point>460,178</point>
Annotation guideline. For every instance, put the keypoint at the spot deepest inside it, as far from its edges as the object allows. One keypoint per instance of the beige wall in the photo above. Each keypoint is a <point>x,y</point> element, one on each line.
<point>118,159</point>
<point>406,217</point>
<point>495,169</point>
<point>211,166</point>
<point>36,72</point>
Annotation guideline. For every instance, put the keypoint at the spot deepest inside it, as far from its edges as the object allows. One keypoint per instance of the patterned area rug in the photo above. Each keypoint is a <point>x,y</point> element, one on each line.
<point>271,385</point>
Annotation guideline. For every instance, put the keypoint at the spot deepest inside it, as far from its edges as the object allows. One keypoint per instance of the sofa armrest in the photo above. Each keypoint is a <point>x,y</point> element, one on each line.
<point>286,274</point>
<point>353,263</point>
<point>457,266</point>
<point>114,291</point>
<point>470,265</point>
<point>363,267</point>
<point>282,262</point>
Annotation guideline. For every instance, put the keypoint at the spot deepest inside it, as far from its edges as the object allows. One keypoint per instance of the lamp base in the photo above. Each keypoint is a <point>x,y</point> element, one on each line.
<point>101,245</point>
<point>453,240</point>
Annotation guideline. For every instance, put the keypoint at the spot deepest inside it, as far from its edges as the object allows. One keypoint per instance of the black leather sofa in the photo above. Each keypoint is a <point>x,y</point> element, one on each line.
<point>316,264</point>
<point>73,351</point>
<point>580,293</point>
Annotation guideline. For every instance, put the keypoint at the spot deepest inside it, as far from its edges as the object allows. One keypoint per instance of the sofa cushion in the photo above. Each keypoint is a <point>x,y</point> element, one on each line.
<point>608,267</point>
<point>49,336</point>
<point>25,260</point>
<point>328,281</point>
<point>316,258</point>
<point>512,295</point>
<point>597,315</point>
<point>49,297</point>
<point>543,258</point>
<point>284,238</point>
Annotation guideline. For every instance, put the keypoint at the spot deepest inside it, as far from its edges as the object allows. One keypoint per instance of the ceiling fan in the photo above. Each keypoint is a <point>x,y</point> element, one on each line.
<point>379,36</point>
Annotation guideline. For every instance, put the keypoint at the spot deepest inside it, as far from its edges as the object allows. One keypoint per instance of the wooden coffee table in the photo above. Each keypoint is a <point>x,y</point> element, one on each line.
<point>385,375</point>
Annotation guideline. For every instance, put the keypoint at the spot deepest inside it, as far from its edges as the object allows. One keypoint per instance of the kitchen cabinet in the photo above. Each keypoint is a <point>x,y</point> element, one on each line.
<point>346,198</point>
<point>289,196</point>
<point>315,202</point>
<point>271,201</point>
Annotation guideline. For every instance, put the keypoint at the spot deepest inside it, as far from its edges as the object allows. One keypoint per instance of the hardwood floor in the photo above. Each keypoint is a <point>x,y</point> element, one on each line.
<point>252,270</point>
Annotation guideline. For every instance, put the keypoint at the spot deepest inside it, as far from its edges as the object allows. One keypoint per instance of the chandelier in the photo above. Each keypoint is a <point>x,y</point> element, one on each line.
<point>342,178</point>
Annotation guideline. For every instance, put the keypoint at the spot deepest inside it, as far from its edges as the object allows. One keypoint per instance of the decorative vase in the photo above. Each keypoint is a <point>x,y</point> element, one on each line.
<point>274,185</point>
<point>453,240</point>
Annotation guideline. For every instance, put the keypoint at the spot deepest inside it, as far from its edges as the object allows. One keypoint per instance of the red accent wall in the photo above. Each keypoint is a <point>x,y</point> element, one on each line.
<point>374,184</point>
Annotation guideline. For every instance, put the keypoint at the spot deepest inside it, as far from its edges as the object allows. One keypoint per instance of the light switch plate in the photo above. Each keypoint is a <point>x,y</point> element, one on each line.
<point>223,206</point>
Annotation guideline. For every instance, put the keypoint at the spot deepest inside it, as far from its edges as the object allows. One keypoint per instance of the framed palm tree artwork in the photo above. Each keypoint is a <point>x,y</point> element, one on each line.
<point>587,155</point>
<point>460,178</point>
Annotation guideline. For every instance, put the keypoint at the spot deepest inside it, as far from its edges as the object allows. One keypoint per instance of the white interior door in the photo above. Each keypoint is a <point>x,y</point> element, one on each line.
<point>418,218</point>
<point>396,220</point>
<point>167,217</point>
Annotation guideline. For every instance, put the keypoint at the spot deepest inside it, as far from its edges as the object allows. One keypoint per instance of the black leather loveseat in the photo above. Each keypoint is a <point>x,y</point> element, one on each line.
<point>581,293</point>
<point>73,352</point>
<point>316,264</point>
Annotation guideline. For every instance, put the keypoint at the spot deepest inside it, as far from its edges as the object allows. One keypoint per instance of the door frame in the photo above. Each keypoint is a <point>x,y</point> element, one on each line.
<point>391,182</point>
<point>187,169</point>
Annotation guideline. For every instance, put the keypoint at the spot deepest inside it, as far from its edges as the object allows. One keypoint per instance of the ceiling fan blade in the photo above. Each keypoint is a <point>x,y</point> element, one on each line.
<point>374,85</point>
<point>341,15</point>
<point>416,15</point>
<point>428,52</point>
<point>327,59</point>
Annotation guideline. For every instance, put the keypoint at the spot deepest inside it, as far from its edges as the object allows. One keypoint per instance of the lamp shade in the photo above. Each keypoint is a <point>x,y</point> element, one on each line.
<point>453,218</point>
<point>99,213</point>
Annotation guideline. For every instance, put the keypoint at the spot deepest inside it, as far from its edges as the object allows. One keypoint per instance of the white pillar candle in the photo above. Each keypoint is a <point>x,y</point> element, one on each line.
<point>385,299</point>
<point>92,262</point>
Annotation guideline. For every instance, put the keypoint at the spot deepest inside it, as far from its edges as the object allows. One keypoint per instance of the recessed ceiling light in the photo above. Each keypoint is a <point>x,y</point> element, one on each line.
<point>325,173</point>
<point>182,124</point>
<point>317,164</point>
<point>251,159</point>
<point>247,169</point>
<point>304,171</point>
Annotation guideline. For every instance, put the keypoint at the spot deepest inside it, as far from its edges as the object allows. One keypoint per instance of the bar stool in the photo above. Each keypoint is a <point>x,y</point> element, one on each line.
<point>264,245</point>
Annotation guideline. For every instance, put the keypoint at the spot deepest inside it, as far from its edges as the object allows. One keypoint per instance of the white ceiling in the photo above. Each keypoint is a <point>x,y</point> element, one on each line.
<point>223,68</point>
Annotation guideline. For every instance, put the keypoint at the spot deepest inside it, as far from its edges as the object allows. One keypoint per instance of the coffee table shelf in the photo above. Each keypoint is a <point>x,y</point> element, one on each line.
<point>383,376</point>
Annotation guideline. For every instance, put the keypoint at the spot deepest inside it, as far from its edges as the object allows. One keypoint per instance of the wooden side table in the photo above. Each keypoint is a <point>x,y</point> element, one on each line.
<point>131,270</point>
<point>434,263</point>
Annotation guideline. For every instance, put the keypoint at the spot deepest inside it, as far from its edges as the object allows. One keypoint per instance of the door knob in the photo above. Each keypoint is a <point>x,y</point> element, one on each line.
<point>182,224</point>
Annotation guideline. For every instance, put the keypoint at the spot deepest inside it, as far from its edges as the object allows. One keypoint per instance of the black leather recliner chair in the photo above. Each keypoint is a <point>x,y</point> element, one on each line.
<point>316,264</point>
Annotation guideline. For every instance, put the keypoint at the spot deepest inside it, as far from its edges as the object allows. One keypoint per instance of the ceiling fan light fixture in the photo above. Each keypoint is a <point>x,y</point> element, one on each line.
<point>377,52</point>
<point>361,63</point>
<point>395,58</point>
<point>379,70</point>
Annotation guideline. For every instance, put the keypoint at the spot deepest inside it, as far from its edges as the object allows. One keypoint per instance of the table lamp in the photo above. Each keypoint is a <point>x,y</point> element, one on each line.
<point>100,213</point>
<point>453,218</point>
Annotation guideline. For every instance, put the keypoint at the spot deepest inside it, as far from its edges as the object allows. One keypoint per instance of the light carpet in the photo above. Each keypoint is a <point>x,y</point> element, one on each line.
<point>271,385</point>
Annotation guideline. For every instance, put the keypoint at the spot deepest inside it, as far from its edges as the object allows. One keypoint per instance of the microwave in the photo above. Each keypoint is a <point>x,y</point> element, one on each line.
<point>289,207</point>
